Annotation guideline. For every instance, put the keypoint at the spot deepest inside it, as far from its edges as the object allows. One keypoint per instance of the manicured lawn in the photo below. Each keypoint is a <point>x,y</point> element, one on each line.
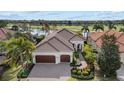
<point>71,28</point>
<point>72,79</point>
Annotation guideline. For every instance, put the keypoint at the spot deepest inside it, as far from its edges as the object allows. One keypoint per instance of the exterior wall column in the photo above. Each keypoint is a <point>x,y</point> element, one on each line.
<point>81,47</point>
<point>57,58</point>
<point>71,58</point>
<point>76,46</point>
<point>34,60</point>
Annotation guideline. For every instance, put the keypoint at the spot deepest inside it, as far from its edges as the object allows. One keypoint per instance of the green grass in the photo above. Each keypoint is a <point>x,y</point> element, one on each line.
<point>72,79</point>
<point>11,74</point>
<point>71,28</point>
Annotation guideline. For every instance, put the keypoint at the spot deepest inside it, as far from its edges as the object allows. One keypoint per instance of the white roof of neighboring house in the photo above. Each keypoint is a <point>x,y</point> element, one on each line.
<point>58,41</point>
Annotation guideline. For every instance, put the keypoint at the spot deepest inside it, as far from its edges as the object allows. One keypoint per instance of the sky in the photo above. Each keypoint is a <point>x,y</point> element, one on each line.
<point>61,15</point>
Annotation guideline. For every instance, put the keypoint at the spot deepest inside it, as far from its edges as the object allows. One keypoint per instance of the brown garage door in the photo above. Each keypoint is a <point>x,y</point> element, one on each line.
<point>45,59</point>
<point>65,58</point>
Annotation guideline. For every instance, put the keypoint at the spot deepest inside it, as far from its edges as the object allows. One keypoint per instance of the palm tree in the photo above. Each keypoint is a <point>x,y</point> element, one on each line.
<point>85,28</point>
<point>121,30</point>
<point>46,28</point>
<point>15,28</point>
<point>85,31</point>
<point>2,47</point>
<point>26,35</point>
<point>98,27</point>
<point>19,53</point>
<point>111,26</point>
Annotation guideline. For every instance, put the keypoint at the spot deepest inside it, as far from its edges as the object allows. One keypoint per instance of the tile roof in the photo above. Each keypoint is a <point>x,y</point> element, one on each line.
<point>121,39</point>
<point>3,33</point>
<point>76,38</point>
<point>97,37</point>
<point>57,41</point>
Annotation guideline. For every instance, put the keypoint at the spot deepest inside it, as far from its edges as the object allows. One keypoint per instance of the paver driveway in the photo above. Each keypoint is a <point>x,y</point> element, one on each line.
<point>50,72</point>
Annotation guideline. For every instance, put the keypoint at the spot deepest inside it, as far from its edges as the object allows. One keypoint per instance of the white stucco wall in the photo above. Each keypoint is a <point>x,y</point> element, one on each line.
<point>78,42</point>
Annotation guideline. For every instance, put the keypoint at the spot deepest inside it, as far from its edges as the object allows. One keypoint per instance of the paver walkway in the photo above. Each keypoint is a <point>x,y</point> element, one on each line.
<point>83,62</point>
<point>1,59</point>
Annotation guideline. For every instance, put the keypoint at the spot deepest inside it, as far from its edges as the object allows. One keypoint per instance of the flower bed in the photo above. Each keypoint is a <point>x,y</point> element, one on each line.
<point>74,63</point>
<point>85,74</point>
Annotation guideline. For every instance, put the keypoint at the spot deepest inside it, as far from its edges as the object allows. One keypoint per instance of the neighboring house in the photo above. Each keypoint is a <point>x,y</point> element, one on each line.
<point>57,47</point>
<point>95,40</point>
<point>4,33</point>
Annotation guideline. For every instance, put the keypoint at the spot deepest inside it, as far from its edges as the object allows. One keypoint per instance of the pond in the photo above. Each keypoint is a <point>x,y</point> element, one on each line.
<point>37,32</point>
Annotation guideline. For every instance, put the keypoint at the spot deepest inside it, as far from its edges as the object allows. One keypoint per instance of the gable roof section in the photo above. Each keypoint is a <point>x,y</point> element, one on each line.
<point>46,47</point>
<point>58,42</point>
<point>121,47</point>
<point>76,38</point>
<point>66,34</point>
<point>121,39</point>
<point>50,36</point>
<point>96,35</point>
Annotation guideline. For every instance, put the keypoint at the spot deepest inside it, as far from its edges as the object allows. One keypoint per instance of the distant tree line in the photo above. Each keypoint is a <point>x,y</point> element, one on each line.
<point>63,22</point>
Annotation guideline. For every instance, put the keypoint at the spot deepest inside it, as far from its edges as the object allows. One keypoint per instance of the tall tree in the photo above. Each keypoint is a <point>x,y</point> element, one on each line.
<point>2,46</point>
<point>111,26</point>
<point>15,28</point>
<point>85,31</point>
<point>46,28</point>
<point>85,28</point>
<point>98,27</point>
<point>27,35</point>
<point>109,58</point>
<point>121,30</point>
<point>19,51</point>
<point>3,23</point>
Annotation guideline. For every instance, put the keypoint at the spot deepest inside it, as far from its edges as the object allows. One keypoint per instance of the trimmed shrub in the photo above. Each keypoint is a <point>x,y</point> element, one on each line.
<point>86,74</point>
<point>79,72</point>
<point>74,71</point>
<point>76,54</point>
<point>73,63</point>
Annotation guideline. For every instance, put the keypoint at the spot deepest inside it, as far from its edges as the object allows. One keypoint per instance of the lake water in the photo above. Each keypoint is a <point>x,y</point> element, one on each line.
<point>37,32</point>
